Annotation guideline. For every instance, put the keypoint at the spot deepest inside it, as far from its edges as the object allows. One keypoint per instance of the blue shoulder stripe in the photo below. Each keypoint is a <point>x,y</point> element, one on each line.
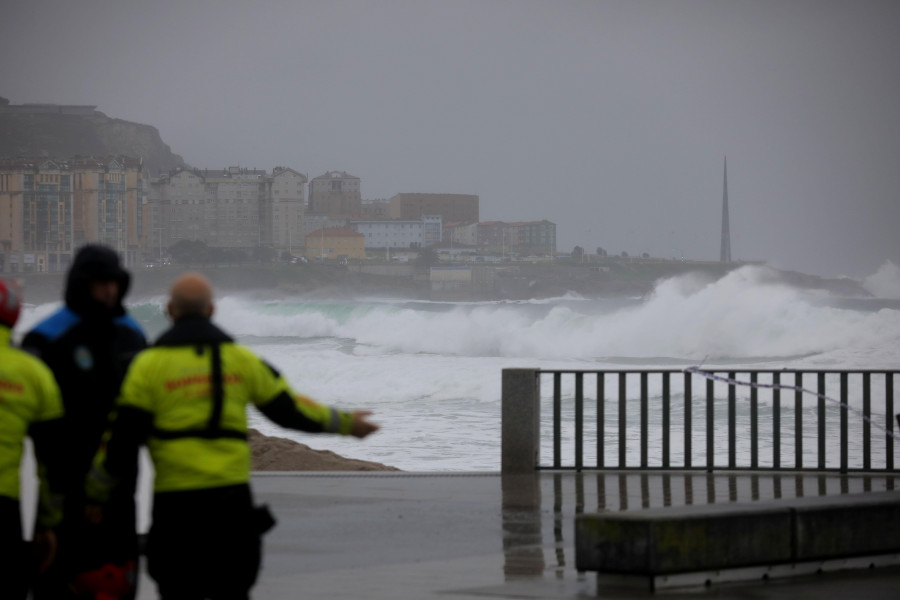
<point>128,321</point>
<point>57,324</point>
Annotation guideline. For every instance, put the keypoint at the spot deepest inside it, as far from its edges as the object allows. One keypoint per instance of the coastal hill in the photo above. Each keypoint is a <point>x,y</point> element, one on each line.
<point>59,131</point>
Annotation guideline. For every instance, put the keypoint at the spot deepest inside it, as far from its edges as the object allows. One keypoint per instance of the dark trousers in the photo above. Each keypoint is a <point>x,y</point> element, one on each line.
<point>204,544</point>
<point>14,552</point>
<point>83,549</point>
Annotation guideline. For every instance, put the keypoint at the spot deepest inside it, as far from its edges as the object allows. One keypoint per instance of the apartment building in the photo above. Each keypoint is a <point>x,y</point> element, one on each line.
<point>451,207</point>
<point>49,208</point>
<point>336,194</point>
<point>460,234</point>
<point>527,237</point>
<point>534,237</point>
<point>288,208</point>
<point>391,234</point>
<point>375,210</point>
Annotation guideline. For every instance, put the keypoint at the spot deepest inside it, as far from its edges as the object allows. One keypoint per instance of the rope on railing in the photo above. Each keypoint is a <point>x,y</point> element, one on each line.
<point>796,388</point>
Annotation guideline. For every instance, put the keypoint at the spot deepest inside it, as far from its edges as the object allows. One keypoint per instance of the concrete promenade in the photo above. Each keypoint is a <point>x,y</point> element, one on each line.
<point>405,536</point>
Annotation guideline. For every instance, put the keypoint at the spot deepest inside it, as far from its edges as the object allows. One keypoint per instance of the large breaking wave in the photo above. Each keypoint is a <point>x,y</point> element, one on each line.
<point>743,315</point>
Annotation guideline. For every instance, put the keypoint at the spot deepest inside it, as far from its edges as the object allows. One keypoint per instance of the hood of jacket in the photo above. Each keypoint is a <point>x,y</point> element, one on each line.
<point>95,263</point>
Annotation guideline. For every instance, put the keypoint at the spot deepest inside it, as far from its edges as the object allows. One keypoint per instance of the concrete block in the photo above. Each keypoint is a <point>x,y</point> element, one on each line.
<point>683,539</point>
<point>847,526</point>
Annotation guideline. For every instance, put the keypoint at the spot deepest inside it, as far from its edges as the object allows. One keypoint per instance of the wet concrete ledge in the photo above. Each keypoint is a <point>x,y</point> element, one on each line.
<point>696,538</point>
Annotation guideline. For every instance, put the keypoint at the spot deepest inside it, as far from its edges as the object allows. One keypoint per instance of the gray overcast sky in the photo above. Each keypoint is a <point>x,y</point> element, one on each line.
<point>610,119</point>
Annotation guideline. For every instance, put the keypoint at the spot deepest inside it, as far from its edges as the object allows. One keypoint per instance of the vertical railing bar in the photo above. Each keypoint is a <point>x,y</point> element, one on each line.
<point>844,415</point>
<point>665,420</point>
<point>622,420</point>
<point>824,427</point>
<point>644,421</point>
<point>710,445</point>
<point>754,423</point>
<point>688,427</point>
<point>557,420</point>
<point>889,415</point>
<point>798,421</point>
<point>601,421</point>
<point>776,421</point>
<point>867,425</point>
<point>821,412</point>
<point>579,421</point>
<point>732,422</point>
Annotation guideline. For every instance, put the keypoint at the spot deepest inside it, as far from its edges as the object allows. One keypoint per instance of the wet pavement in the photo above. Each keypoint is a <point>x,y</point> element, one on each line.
<point>467,536</point>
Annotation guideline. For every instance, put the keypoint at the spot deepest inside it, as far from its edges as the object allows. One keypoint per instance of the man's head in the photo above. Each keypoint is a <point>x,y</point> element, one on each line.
<point>96,281</point>
<point>191,296</point>
<point>10,304</point>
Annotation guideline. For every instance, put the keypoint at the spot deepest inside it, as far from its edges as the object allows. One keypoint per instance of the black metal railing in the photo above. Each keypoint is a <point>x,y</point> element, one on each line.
<point>822,420</point>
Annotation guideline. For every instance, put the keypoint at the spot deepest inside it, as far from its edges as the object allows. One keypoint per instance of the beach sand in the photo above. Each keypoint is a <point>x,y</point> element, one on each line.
<point>281,454</point>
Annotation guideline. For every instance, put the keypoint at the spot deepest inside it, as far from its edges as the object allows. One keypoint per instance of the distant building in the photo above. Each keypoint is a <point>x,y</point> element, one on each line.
<point>494,237</point>
<point>331,244</point>
<point>227,208</point>
<point>336,194</point>
<point>373,210</point>
<point>288,208</point>
<point>451,207</point>
<point>400,234</point>
<point>534,237</point>
<point>525,238</point>
<point>391,234</point>
<point>49,208</point>
<point>460,234</point>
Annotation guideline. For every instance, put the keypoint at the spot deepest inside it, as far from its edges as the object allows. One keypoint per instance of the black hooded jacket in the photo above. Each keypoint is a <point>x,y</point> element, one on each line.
<point>88,346</point>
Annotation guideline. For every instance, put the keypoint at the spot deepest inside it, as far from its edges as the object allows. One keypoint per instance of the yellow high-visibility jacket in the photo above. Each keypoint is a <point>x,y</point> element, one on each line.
<point>30,406</point>
<point>186,399</point>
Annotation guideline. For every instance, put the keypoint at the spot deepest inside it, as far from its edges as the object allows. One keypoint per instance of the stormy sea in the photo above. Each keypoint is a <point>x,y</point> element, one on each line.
<point>431,371</point>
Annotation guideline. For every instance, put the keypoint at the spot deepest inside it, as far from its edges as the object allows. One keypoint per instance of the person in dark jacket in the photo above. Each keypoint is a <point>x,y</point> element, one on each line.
<point>88,344</point>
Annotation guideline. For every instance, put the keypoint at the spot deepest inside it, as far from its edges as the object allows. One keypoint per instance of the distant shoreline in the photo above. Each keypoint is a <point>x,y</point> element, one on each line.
<point>509,282</point>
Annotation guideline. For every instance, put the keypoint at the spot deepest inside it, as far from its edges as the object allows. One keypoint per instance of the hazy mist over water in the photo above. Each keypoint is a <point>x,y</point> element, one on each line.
<point>610,118</point>
<point>431,371</point>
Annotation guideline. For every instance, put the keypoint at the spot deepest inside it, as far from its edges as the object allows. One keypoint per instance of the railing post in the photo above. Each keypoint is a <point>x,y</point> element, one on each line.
<point>520,428</point>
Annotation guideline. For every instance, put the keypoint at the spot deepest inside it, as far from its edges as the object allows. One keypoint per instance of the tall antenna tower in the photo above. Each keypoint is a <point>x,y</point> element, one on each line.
<point>725,253</point>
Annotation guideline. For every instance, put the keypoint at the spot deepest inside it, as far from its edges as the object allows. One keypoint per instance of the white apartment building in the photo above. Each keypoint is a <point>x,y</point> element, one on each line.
<point>400,234</point>
<point>288,208</point>
<point>391,234</point>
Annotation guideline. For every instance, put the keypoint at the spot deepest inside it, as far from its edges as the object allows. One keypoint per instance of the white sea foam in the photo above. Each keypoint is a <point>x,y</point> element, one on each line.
<point>742,316</point>
<point>885,282</point>
<point>431,371</point>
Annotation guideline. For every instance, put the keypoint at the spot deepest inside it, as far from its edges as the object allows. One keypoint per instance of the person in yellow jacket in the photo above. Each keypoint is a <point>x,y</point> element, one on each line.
<point>185,398</point>
<point>30,406</point>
